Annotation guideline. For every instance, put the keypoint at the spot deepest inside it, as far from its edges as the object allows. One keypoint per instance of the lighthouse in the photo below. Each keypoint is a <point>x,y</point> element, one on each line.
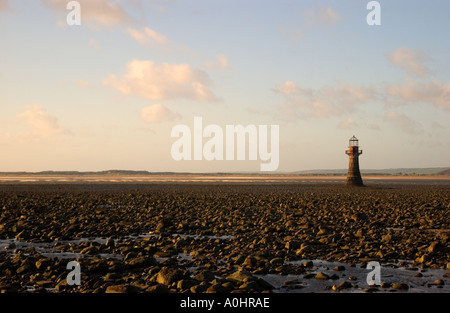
<point>353,152</point>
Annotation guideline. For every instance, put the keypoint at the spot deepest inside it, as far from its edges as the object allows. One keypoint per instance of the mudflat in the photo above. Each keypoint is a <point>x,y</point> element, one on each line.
<point>223,236</point>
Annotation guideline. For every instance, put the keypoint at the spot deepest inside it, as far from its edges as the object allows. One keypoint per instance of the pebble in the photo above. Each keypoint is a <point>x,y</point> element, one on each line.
<point>400,286</point>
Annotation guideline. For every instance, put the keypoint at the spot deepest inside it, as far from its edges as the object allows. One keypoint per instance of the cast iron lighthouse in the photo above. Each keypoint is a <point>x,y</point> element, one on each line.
<point>353,152</point>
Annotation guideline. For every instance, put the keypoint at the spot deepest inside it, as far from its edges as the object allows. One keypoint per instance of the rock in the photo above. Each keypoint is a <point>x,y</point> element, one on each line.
<point>250,261</point>
<point>400,286</point>
<point>157,289</point>
<point>343,285</point>
<point>321,276</point>
<point>292,245</point>
<point>352,277</point>
<point>439,282</point>
<point>308,275</point>
<point>160,227</point>
<point>241,276</point>
<point>385,285</point>
<point>42,264</point>
<point>216,289</point>
<point>167,275</point>
<point>199,288</point>
<point>45,283</point>
<point>186,284</point>
<point>434,247</point>
<point>277,261</point>
<point>121,289</point>
<point>418,275</point>
<point>339,268</point>
<point>264,284</point>
<point>112,277</point>
<point>304,249</point>
<point>23,269</point>
<point>89,250</point>
<point>291,282</point>
<point>249,286</point>
<point>229,285</point>
<point>387,238</point>
<point>205,276</point>
<point>359,216</point>
<point>422,259</point>
<point>110,243</point>
<point>143,261</point>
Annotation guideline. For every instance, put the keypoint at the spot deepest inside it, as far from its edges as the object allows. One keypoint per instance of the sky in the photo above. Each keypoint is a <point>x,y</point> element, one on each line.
<point>106,94</point>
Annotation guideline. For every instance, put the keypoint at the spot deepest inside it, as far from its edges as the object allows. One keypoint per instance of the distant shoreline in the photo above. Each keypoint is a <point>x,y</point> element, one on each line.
<point>203,178</point>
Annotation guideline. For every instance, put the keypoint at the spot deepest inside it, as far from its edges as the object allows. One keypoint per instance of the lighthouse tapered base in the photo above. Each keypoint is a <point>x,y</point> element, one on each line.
<point>354,181</point>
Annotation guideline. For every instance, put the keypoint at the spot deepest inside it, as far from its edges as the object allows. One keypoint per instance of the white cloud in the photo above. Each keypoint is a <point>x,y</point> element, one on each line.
<point>435,93</point>
<point>4,5</point>
<point>326,101</point>
<point>84,84</point>
<point>157,113</point>
<point>147,36</point>
<point>410,60</point>
<point>288,88</point>
<point>94,44</point>
<point>93,12</point>
<point>41,124</point>
<point>348,123</point>
<point>220,62</point>
<point>164,81</point>
<point>314,18</point>
<point>322,15</point>
<point>406,124</point>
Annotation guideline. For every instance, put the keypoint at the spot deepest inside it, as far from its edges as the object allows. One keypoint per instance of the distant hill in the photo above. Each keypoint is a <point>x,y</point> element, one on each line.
<point>445,172</point>
<point>392,171</point>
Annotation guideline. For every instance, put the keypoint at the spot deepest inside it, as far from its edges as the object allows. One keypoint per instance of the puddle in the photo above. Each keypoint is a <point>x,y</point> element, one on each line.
<point>50,249</point>
<point>197,237</point>
<point>390,273</point>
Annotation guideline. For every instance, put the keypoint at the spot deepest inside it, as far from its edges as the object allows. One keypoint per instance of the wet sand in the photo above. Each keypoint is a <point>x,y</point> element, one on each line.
<point>245,236</point>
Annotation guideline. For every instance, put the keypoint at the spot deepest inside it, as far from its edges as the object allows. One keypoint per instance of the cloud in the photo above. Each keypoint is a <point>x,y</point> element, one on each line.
<point>322,15</point>
<point>406,124</point>
<point>348,123</point>
<point>93,12</point>
<point>157,113</point>
<point>221,62</point>
<point>324,102</point>
<point>84,84</point>
<point>410,60</point>
<point>164,81</point>
<point>94,44</point>
<point>4,5</point>
<point>314,18</point>
<point>147,36</point>
<point>435,93</point>
<point>41,124</point>
<point>288,88</point>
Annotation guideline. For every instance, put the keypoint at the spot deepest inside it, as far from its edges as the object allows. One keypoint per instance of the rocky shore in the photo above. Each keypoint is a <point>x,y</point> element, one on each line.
<point>217,237</point>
